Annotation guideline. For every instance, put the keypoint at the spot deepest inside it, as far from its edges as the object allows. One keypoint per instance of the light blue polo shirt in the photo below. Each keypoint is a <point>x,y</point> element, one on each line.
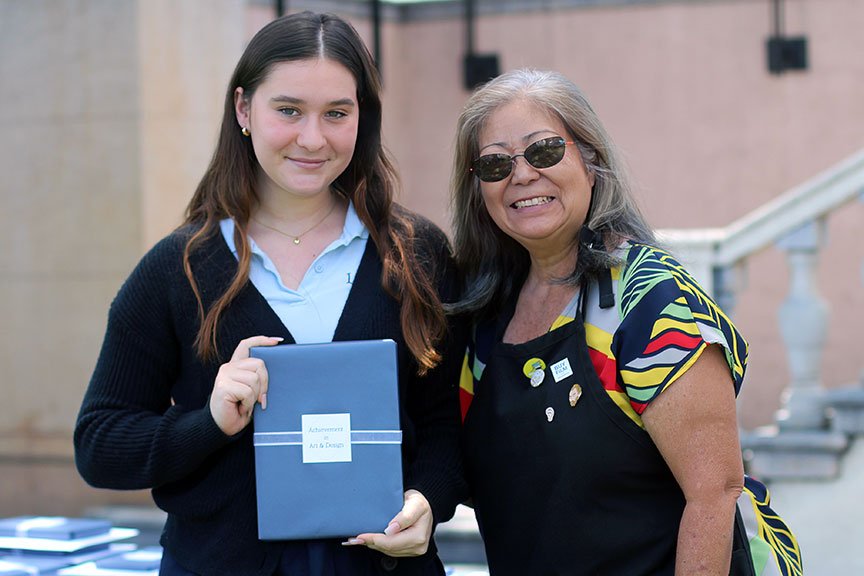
<point>312,311</point>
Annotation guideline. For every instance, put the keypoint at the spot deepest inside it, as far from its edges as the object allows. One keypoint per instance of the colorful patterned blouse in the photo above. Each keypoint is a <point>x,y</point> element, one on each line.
<point>661,323</point>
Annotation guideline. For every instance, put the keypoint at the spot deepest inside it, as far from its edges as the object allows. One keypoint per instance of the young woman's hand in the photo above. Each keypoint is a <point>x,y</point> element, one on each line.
<point>407,534</point>
<point>240,383</point>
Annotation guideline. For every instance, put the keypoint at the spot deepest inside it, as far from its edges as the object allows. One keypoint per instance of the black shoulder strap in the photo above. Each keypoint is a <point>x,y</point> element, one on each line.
<point>742,560</point>
<point>589,238</point>
<point>607,296</point>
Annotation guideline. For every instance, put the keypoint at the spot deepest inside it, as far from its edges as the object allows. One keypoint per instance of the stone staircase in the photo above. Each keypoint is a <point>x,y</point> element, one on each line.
<point>825,516</point>
<point>791,450</point>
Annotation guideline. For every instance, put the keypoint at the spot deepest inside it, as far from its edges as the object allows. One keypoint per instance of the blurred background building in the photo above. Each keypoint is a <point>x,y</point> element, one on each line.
<point>742,122</point>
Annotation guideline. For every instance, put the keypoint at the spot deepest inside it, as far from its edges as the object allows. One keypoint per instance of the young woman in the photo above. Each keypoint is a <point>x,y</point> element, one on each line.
<point>291,236</point>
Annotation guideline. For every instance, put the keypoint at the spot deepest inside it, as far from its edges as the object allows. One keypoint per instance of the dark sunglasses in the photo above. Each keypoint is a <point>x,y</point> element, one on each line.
<point>541,154</point>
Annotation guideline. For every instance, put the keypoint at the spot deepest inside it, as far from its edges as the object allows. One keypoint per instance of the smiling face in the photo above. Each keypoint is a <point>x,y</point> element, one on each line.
<point>303,121</point>
<point>542,209</point>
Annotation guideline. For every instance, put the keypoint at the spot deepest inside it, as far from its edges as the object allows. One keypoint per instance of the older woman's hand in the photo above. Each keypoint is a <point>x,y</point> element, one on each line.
<point>240,383</point>
<point>408,533</point>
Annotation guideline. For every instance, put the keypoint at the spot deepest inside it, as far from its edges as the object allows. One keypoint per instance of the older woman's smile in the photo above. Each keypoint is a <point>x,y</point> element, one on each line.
<point>535,201</point>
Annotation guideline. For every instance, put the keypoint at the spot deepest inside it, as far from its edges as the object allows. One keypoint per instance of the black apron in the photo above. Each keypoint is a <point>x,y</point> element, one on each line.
<point>563,487</point>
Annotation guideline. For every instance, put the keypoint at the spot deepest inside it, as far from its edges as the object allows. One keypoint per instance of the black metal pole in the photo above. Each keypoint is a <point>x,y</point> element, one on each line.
<point>280,8</point>
<point>778,17</point>
<point>469,27</point>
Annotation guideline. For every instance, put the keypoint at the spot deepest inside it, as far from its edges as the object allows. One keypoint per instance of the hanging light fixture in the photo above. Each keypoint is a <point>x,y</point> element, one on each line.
<point>785,52</point>
<point>478,68</point>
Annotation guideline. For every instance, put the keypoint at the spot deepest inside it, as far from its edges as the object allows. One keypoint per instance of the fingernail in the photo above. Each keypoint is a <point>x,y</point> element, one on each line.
<point>392,528</point>
<point>353,542</point>
<point>278,338</point>
<point>264,401</point>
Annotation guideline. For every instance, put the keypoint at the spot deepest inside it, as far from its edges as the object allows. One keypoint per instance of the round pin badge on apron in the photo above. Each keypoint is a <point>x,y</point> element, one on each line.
<point>537,377</point>
<point>535,370</point>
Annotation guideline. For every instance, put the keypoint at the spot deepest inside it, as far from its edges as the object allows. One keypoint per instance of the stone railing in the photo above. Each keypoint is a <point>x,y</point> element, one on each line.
<point>814,426</point>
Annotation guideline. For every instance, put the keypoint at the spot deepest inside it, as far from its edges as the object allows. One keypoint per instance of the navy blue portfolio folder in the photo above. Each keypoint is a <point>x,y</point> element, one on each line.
<point>328,460</point>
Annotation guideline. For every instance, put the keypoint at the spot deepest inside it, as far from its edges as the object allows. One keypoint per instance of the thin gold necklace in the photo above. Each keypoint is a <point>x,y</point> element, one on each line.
<point>296,237</point>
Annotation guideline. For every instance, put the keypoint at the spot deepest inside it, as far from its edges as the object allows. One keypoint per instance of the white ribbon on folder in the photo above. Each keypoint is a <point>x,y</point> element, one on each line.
<point>357,437</point>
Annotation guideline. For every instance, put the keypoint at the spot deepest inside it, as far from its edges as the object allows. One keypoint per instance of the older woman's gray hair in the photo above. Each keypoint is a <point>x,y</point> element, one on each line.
<point>494,264</point>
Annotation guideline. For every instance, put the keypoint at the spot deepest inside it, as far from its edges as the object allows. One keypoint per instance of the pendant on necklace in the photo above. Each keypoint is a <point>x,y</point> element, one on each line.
<point>296,239</point>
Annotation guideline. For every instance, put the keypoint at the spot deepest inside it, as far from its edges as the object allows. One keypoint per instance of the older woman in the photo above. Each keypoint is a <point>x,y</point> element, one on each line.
<point>601,435</point>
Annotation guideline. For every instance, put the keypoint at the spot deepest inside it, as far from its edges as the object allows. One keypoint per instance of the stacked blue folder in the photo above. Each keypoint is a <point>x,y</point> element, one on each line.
<point>141,562</point>
<point>53,527</point>
<point>46,545</point>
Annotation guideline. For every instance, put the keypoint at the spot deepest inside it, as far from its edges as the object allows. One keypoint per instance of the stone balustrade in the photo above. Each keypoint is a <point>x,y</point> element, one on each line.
<point>814,426</point>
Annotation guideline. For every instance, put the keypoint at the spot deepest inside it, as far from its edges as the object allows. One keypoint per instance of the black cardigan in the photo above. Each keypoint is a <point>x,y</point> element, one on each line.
<point>145,420</point>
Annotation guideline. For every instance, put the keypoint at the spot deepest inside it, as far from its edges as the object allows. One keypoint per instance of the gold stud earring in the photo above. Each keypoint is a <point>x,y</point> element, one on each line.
<point>244,131</point>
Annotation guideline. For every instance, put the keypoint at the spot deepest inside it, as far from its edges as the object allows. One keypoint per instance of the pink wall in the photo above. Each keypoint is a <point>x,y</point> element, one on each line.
<point>708,132</point>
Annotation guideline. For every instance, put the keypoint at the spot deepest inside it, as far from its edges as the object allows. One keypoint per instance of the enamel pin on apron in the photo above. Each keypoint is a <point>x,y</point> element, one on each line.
<point>535,370</point>
<point>575,394</point>
<point>561,370</point>
<point>550,413</point>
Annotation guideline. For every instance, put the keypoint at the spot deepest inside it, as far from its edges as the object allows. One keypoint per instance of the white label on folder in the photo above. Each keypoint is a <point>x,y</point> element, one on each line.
<point>326,438</point>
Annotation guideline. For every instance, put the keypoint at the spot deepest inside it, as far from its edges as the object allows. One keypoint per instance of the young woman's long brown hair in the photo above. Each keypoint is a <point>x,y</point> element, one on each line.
<point>227,189</point>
